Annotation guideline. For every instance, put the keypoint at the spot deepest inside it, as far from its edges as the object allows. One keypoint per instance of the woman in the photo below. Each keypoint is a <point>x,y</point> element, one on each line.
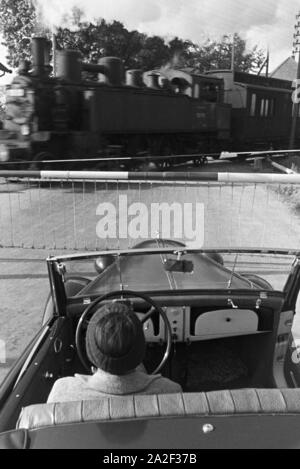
<point>115,344</point>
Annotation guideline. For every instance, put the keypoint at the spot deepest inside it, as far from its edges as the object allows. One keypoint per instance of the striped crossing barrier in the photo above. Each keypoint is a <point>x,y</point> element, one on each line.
<point>261,178</point>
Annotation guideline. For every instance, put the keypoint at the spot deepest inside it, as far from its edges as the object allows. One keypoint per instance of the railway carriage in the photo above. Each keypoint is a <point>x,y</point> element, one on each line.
<point>262,107</point>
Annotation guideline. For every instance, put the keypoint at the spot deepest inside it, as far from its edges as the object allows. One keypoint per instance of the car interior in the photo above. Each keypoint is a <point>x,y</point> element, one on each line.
<point>227,349</point>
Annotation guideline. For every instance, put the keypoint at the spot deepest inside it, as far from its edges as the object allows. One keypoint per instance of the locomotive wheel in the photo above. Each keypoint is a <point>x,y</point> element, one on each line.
<point>163,164</point>
<point>160,164</point>
<point>199,161</point>
<point>172,162</point>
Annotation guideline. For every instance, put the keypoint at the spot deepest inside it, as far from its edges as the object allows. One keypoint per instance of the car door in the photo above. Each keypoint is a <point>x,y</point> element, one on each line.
<point>292,303</point>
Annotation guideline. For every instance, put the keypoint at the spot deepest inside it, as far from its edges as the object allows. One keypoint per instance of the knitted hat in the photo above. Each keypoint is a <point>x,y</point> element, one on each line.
<point>115,340</point>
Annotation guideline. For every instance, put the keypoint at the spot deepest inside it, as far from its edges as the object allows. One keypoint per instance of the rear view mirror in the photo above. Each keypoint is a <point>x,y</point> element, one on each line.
<point>175,265</point>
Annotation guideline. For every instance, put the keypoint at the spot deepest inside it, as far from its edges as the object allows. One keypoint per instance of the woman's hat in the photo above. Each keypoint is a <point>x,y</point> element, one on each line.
<point>115,340</point>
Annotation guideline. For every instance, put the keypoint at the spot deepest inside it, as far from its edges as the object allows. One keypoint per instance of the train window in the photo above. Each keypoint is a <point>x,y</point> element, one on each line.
<point>197,91</point>
<point>266,108</point>
<point>253,105</point>
<point>262,107</point>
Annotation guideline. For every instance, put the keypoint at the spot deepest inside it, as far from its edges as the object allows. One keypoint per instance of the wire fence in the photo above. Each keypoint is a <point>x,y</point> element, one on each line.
<point>96,214</point>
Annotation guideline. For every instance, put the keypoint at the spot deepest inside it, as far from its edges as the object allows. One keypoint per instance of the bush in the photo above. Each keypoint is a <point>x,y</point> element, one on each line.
<point>291,195</point>
<point>293,162</point>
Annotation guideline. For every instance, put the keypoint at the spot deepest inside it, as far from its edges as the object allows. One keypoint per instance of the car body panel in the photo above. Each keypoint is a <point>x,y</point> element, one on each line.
<point>243,431</point>
<point>147,273</point>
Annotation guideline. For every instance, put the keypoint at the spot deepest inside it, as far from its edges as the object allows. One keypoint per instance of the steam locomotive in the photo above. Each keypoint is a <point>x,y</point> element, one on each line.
<point>99,111</point>
<point>72,115</point>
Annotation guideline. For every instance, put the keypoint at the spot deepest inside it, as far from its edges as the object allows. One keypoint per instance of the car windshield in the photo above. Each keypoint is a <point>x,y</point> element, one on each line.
<point>188,270</point>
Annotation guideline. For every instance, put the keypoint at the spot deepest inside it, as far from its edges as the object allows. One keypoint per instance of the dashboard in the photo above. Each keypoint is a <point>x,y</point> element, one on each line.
<point>208,325</point>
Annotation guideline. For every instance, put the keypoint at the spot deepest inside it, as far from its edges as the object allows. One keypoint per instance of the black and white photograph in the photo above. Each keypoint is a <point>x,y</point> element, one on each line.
<point>149,227</point>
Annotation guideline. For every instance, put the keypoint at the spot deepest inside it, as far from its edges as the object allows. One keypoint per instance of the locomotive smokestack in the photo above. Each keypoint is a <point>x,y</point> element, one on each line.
<point>39,48</point>
<point>47,56</point>
<point>134,78</point>
<point>109,69</point>
<point>113,71</point>
<point>93,68</point>
<point>153,81</point>
<point>68,65</point>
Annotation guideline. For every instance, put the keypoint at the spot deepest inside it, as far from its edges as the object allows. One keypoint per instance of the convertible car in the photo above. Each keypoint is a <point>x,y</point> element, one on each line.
<point>217,322</point>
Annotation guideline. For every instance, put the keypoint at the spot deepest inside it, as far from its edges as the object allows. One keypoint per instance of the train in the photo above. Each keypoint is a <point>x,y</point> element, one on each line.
<point>100,113</point>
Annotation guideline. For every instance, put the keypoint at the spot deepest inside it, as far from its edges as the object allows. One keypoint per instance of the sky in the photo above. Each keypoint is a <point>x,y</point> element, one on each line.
<point>266,23</point>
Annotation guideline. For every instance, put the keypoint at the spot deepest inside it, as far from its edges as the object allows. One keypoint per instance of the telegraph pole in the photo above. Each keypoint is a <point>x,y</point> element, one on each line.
<point>233,53</point>
<point>296,52</point>
<point>268,63</point>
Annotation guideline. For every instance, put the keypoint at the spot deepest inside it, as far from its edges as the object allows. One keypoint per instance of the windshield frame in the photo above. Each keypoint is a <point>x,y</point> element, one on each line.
<point>60,301</point>
<point>183,250</point>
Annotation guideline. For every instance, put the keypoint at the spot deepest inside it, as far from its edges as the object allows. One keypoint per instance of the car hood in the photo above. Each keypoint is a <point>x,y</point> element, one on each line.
<point>147,273</point>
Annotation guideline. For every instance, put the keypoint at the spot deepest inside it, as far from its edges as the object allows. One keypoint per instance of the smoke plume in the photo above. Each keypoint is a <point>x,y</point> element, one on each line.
<point>267,23</point>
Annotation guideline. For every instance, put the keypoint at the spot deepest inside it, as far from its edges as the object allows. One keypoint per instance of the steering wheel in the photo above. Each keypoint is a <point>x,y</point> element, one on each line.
<point>90,310</point>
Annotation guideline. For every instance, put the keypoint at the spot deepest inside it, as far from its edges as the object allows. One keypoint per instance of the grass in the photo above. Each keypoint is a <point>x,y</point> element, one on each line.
<point>291,195</point>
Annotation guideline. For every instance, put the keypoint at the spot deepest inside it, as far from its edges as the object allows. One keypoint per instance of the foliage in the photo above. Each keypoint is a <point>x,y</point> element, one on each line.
<point>140,51</point>
<point>95,40</point>
<point>18,21</point>
<point>17,24</point>
<point>218,55</point>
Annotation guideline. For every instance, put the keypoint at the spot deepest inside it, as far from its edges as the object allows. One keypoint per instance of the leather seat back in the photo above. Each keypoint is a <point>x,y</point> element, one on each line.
<point>233,402</point>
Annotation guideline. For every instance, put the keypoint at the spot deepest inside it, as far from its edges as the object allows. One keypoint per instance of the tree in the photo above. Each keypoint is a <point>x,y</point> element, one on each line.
<point>153,54</point>
<point>18,22</point>
<point>148,52</point>
<point>94,40</point>
<point>218,55</point>
<point>137,50</point>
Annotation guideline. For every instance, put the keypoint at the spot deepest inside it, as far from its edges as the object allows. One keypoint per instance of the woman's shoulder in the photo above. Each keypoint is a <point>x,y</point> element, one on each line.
<point>67,381</point>
<point>63,387</point>
<point>163,385</point>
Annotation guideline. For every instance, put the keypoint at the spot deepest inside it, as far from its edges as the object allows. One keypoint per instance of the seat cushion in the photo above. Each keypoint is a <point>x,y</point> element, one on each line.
<point>227,402</point>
